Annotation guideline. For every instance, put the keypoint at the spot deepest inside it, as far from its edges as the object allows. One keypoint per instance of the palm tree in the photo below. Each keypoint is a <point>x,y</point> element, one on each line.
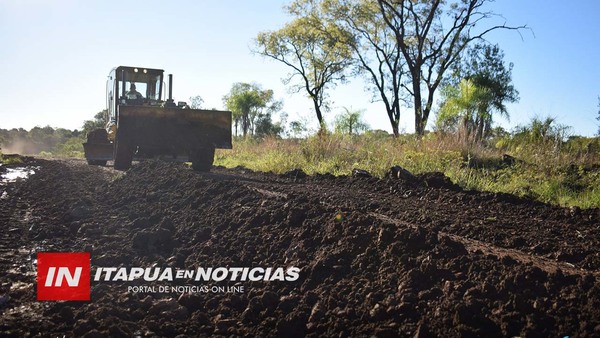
<point>465,110</point>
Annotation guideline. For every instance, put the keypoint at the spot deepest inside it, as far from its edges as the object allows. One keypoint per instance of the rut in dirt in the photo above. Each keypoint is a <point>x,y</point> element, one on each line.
<point>383,257</point>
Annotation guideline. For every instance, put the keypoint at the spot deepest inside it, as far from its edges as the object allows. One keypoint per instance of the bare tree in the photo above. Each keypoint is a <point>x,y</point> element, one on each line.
<point>376,52</point>
<point>431,35</point>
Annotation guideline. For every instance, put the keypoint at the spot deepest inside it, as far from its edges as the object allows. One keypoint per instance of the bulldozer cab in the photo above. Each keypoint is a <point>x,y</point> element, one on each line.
<point>133,86</point>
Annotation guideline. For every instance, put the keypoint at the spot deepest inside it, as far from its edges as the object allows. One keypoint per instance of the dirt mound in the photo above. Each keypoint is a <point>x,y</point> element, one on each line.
<point>438,180</point>
<point>383,257</point>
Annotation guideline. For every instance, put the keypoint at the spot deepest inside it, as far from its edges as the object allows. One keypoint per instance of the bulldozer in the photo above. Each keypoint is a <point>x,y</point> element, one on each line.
<point>141,123</point>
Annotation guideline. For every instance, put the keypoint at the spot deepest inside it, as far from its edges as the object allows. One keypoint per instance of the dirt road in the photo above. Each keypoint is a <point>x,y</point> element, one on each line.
<point>377,257</point>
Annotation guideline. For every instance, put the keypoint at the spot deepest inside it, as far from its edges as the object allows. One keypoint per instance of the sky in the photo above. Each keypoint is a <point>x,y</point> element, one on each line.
<point>55,56</point>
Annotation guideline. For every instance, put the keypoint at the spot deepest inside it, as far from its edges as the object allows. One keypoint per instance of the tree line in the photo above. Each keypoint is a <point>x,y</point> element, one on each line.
<point>40,139</point>
<point>406,50</point>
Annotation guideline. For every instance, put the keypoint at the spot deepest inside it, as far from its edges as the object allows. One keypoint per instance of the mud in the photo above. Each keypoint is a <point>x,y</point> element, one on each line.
<point>400,256</point>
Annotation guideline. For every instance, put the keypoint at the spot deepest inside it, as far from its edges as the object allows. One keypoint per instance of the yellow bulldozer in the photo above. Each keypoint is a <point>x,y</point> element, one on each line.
<point>141,123</point>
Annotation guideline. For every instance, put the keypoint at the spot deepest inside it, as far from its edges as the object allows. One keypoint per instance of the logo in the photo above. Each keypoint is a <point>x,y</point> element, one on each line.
<point>63,276</point>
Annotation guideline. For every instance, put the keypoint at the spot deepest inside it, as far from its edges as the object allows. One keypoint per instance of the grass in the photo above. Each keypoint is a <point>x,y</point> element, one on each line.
<point>336,154</point>
<point>10,160</point>
<point>564,178</point>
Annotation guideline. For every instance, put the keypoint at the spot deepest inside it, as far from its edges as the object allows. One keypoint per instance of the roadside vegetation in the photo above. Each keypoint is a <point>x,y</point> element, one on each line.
<point>537,161</point>
<point>10,160</point>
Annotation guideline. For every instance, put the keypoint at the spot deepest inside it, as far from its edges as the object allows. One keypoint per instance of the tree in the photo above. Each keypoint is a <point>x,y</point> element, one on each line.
<point>196,102</point>
<point>241,100</point>
<point>248,101</point>
<point>432,34</point>
<point>488,70</point>
<point>44,138</point>
<point>314,50</point>
<point>598,118</point>
<point>350,122</point>
<point>376,52</point>
<point>462,109</point>
<point>297,128</point>
<point>97,123</point>
<point>491,86</point>
<point>266,127</point>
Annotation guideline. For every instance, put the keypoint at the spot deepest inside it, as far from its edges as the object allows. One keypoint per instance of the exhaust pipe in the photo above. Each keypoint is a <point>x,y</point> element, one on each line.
<point>170,87</point>
<point>169,102</point>
<point>124,83</point>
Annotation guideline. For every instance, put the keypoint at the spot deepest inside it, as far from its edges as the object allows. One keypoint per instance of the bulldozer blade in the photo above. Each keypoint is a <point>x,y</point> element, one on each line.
<point>179,130</point>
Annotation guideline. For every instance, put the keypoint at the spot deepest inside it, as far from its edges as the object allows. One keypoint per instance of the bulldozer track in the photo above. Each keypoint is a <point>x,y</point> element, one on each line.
<point>475,246</point>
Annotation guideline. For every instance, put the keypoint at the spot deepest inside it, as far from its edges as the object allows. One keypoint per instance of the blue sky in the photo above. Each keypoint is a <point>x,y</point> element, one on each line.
<point>56,55</point>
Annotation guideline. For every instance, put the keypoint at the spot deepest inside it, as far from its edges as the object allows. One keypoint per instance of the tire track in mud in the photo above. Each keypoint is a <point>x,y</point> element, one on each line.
<point>472,245</point>
<point>500,253</point>
<point>364,200</point>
